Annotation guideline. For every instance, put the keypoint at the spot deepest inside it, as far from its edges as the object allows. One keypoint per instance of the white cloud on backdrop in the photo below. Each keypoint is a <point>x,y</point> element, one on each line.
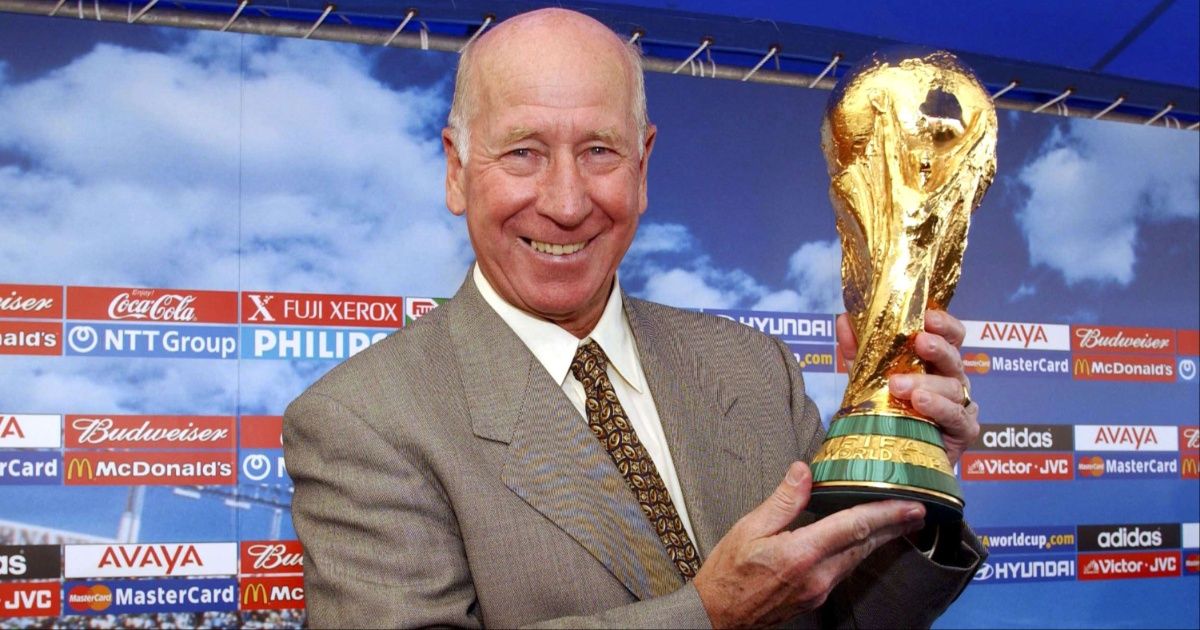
<point>1094,185</point>
<point>690,279</point>
<point>127,172</point>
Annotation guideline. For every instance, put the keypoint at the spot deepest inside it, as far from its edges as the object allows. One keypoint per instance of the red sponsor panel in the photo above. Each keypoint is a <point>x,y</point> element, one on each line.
<point>1189,342</point>
<point>1122,339</point>
<point>315,309</point>
<point>1016,466</point>
<point>30,599</point>
<point>30,301</point>
<point>260,557</point>
<point>1189,439</point>
<point>1123,368</point>
<point>139,468</point>
<point>1135,564</point>
<point>175,306</point>
<point>36,338</point>
<point>262,432</point>
<point>271,593</point>
<point>101,431</point>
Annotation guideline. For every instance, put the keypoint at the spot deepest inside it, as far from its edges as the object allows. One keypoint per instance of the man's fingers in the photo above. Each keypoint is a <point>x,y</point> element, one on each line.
<point>783,506</point>
<point>946,326</point>
<point>942,357</point>
<point>861,525</point>
<point>847,343</point>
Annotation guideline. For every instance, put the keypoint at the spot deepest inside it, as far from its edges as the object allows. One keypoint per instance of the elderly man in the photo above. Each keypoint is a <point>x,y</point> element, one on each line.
<point>452,475</point>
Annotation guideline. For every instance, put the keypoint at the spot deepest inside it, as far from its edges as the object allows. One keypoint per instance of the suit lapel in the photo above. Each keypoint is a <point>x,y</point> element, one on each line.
<point>553,461</point>
<point>717,462</point>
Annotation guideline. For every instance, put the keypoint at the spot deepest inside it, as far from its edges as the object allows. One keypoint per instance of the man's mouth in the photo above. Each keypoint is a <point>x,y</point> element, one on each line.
<point>555,249</point>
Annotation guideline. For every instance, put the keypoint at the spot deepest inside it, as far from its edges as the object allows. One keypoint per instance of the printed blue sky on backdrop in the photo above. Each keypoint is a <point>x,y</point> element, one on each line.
<point>124,162</point>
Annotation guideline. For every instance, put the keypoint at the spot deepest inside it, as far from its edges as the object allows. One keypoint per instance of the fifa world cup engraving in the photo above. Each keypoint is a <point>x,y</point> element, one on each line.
<point>910,141</point>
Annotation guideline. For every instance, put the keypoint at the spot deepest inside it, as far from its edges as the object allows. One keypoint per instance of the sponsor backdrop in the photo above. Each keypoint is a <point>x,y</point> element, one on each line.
<point>198,225</point>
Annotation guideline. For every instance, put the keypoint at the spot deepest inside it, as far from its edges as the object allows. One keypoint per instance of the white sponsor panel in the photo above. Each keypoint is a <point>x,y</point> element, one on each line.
<point>1191,535</point>
<point>150,560</point>
<point>1111,437</point>
<point>30,431</point>
<point>1017,335</point>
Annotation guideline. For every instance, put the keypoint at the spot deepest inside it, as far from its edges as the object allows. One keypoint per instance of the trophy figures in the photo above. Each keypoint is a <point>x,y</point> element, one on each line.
<point>910,140</point>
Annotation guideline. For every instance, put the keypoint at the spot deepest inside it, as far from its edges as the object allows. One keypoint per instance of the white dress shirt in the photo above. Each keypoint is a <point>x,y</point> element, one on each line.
<point>555,350</point>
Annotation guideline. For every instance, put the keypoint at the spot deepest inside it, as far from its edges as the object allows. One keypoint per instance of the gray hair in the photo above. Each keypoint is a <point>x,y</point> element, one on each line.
<point>464,104</point>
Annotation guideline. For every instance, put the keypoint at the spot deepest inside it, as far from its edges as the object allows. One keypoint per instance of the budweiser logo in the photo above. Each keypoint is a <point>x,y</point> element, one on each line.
<point>16,303</point>
<point>93,431</point>
<point>1110,339</point>
<point>273,556</point>
<point>169,307</point>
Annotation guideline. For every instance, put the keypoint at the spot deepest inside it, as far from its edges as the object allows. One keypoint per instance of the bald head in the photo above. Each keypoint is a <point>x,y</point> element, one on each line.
<point>552,41</point>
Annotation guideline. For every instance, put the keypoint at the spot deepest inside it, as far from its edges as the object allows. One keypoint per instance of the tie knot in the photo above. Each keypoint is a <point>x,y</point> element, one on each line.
<point>590,361</point>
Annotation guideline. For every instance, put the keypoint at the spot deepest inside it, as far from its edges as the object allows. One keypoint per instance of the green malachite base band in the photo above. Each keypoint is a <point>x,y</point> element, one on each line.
<point>842,483</point>
<point>895,473</point>
<point>896,426</point>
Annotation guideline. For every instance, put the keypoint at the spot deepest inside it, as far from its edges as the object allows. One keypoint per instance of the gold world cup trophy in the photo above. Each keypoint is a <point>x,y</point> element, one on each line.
<point>910,140</point>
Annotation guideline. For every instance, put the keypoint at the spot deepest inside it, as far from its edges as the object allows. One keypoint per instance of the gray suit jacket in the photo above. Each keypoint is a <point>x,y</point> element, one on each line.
<point>443,478</point>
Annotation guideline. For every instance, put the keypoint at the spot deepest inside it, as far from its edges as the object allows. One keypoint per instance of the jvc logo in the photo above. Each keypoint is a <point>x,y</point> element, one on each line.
<point>30,600</point>
<point>1055,467</point>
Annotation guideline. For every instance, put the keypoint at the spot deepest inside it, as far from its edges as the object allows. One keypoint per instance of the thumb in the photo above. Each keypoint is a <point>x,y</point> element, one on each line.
<point>783,506</point>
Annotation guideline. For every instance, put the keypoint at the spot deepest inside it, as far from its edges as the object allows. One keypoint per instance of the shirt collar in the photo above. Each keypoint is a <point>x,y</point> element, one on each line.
<point>555,348</point>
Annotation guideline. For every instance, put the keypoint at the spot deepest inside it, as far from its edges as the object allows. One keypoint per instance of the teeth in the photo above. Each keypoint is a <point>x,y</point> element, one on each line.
<point>554,249</point>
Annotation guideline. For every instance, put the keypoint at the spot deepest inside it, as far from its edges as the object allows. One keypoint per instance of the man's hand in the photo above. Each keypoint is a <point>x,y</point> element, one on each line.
<point>759,574</point>
<point>940,394</point>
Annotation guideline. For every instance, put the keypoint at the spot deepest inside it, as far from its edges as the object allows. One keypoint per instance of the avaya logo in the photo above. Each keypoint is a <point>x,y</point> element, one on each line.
<point>134,560</point>
<point>273,556</point>
<point>1126,438</point>
<point>1025,334</point>
<point>168,307</point>
<point>164,557</point>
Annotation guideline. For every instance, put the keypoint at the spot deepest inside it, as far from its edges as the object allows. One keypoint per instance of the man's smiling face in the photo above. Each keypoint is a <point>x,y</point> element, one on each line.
<point>554,180</point>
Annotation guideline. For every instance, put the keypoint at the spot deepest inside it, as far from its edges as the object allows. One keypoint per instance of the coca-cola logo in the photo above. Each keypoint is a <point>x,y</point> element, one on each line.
<point>168,307</point>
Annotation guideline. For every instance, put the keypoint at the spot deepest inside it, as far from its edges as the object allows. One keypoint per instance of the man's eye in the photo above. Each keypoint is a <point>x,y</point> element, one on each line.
<point>600,150</point>
<point>520,153</point>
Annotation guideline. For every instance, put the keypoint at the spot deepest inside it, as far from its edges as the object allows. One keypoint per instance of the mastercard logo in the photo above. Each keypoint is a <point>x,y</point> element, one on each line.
<point>96,597</point>
<point>1091,466</point>
<point>977,362</point>
<point>1192,563</point>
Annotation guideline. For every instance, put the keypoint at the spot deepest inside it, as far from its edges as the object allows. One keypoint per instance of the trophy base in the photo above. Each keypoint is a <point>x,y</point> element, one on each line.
<point>829,499</point>
<point>872,457</point>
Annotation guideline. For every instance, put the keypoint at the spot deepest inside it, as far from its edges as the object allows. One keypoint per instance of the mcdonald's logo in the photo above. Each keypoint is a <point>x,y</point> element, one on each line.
<point>253,593</point>
<point>1190,468</point>
<point>80,468</point>
<point>1083,367</point>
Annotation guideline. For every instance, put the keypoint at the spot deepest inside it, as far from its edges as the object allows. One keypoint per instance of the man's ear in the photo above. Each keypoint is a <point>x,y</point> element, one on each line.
<point>456,195</point>
<point>644,166</point>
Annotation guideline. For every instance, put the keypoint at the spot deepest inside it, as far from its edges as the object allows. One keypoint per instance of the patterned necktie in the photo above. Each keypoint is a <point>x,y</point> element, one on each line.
<point>611,426</point>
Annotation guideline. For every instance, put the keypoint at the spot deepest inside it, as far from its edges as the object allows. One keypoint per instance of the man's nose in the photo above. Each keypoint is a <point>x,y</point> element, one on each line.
<point>564,197</point>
